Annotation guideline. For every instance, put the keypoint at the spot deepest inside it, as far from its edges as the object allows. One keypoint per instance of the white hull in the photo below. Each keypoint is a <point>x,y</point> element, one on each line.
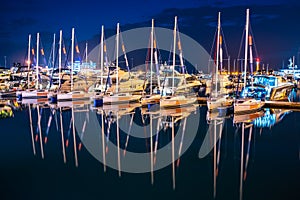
<point>176,101</point>
<point>34,101</point>
<point>248,106</point>
<point>121,99</point>
<point>72,103</point>
<point>214,103</point>
<point>27,94</point>
<point>73,96</point>
<point>150,99</point>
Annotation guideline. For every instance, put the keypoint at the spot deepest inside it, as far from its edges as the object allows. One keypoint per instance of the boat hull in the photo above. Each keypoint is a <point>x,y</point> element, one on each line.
<point>73,96</point>
<point>214,104</point>
<point>248,106</point>
<point>34,94</point>
<point>176,101</point>
<point>152,99</point>
<point>119,99</point>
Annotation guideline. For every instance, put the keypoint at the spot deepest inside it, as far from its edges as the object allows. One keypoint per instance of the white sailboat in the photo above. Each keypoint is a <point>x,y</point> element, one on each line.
<point>152,98</point>
<point>217,100</point>
<point>247,104</point>
<point>37,93</point>
<point>119,98</point>
<point>73,95</point>
<point>180,99</point>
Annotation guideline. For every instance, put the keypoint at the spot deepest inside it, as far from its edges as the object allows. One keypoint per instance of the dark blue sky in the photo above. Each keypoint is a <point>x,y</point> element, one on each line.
<point>274,22</point>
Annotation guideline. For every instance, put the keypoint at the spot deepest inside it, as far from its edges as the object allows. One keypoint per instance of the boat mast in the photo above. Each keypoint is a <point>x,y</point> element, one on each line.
<point>72,59</point>
<point>28,60</point>
<point>53,52</point>
<point>37,61</point>
<point>151,56</point>
<point>251,58</point>
<point>117,57</point>
<point>246,47</point>
<point>218,52</point>
<point>174,51</point>
<point>102,56</point>
<point>59,57</point>
<point>181,58</point>
<point>156,62</point>
<point>86,52</point>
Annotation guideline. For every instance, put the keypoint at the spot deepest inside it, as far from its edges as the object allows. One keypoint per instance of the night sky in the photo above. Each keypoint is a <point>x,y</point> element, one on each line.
<point>275,23</point>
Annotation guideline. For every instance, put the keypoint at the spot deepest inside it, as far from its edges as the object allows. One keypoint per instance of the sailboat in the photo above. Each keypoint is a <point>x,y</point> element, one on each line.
<point>247,104</point>
<point>180,99</point>
<point>38,93</point>
<point>217,100</point>
<point>152,98</point>
<point>73,95</point>
<point>118,98</point>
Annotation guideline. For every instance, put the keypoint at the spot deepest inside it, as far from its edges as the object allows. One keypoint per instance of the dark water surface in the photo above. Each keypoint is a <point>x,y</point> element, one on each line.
<point>271,171</point>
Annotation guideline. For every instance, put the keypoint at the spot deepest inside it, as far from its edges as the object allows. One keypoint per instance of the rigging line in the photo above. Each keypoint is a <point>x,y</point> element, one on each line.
<point>77,50</point>
<point>170,53</point>
<point>99,53</point>
<point>41,48</point>
<point>179,43</point>
<point>106,53</point>
<point>212,49</point>
<point>50,57</point>
<point>68,53</point>
<point>157,47</point>
<point>146,63</point>
<point>124,52</point>
<point>85,52</point>
<point>241,44</point>
<point>253,43</point>
<point>56,57</point>
<point>225,45</point>
<point>65,52</point>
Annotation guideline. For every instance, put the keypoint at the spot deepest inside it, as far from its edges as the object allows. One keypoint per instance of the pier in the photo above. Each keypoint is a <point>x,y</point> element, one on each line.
<point>282,104</point>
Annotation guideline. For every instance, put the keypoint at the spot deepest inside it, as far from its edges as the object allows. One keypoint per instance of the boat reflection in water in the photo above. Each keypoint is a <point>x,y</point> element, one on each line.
<point>113,132</point>
<point>245,132</point>
<point>114,138</point>
<point>62,117</point>
<point>270,118</point>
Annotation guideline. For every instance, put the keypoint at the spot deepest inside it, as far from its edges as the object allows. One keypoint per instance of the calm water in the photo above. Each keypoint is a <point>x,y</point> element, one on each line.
<point>270,159</point>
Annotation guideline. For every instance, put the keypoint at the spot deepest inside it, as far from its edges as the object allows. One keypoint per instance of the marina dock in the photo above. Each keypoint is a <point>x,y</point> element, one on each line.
<point>282,104</point>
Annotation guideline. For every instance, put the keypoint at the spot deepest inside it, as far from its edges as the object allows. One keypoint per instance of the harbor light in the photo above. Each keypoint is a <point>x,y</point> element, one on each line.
<point>257,64</point>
